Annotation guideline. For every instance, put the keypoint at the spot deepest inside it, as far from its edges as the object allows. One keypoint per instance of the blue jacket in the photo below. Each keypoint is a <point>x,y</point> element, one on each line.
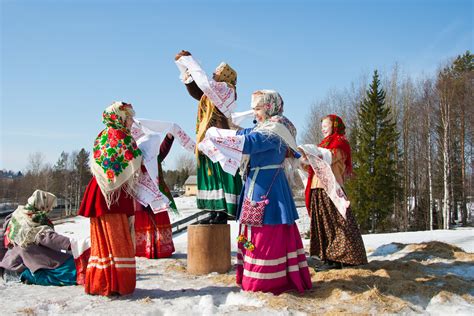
<point>267,150</point>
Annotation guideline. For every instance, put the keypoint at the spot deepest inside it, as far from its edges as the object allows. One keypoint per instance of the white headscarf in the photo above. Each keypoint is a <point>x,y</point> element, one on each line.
<point>30,220</point>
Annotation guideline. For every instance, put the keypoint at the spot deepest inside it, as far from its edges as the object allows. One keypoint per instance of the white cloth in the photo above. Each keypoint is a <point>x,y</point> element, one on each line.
<point>149,134</point>
<point>223,146</point>
<point>239,117</point>
<point>322,170</point>
<point>220,94</point>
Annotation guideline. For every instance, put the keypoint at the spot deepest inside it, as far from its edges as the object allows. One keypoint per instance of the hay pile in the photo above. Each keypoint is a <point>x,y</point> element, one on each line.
<point>404,285</point>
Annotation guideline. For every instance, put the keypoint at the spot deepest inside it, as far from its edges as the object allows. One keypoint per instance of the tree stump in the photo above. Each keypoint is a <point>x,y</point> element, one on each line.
<point>208,249</point>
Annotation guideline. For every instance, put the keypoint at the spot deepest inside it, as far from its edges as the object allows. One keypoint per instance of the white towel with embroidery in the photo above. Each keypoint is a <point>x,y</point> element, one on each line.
<point>320,160</point>
<point>220,94</point>
<point>223,146</point>
<point>149,135</point>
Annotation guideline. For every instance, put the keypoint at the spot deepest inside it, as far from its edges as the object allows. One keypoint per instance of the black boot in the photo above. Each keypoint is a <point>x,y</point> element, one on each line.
<point>208,220</point>
<point>221,218</point>
<point>330,265</point>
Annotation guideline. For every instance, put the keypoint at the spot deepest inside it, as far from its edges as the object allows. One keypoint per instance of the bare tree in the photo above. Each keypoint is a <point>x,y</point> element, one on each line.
<point>445,93</point>
<point>36,162</point>
<point>187,161</point>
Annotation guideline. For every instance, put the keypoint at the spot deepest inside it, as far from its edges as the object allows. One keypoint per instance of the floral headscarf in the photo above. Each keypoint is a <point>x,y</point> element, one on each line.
<point>29,220</point>
<point>272,103</point>
<point>116,157</point>
<point>270,100</point>
<point>225,73</point>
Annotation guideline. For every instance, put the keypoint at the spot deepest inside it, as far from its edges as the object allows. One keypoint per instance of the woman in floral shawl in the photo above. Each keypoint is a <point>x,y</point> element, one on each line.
<point>36,253</point>
<point>109,204</point>
<point>335,238</point>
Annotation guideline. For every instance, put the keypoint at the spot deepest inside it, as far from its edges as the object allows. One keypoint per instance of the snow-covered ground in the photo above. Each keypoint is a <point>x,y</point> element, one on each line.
<point>410,273</point>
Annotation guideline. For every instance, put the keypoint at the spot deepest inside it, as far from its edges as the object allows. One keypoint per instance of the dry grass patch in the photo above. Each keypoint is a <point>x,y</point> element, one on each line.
<point>177,266</point>
<point>227,279</point>
<point>27,311</point>
<point>146,300</point>
<point>381,286</point>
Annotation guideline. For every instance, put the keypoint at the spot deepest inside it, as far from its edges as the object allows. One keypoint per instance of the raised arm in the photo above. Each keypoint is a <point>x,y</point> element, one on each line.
<point>166,146</point>
<point>194,90</point>
<point>221,95</point>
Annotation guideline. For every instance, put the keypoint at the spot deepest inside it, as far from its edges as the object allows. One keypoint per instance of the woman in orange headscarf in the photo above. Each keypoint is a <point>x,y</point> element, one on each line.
<point>334,239</point>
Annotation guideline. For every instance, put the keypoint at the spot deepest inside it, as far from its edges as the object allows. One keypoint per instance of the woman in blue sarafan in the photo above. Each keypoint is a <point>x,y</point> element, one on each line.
<point>270,256</point>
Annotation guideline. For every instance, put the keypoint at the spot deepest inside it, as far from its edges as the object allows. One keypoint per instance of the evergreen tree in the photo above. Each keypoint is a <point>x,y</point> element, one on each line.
<point>82,175</point>
<point>373,189</point>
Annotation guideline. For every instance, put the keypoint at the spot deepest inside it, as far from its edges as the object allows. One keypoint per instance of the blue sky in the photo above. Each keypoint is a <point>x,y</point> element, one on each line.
<point>63,62</point>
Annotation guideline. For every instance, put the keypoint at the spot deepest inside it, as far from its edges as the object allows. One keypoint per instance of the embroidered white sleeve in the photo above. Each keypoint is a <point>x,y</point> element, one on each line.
<point>221,95</point>
<point>223,146</point>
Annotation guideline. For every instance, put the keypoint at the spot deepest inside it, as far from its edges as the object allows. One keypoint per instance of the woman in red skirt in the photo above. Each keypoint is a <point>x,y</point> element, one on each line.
<point>153,234</point>
<point>108,203</point>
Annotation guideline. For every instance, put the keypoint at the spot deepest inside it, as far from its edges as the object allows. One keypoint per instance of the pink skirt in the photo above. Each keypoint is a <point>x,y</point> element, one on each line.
<point>278,262</point>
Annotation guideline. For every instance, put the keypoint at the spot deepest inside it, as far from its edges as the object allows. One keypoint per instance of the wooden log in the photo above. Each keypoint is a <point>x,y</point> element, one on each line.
<point>208,249</point>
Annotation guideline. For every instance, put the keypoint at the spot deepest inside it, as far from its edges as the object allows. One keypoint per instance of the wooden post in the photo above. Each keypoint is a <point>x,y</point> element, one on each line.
<point>208,248</point>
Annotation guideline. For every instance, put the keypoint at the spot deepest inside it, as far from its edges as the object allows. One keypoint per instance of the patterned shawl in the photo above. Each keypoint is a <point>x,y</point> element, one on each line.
<point>116,158</point>
<point>30,220</point>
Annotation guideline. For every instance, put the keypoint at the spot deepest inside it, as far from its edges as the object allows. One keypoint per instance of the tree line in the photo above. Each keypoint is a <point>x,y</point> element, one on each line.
<point>68,178</point>
<point>412,146</point>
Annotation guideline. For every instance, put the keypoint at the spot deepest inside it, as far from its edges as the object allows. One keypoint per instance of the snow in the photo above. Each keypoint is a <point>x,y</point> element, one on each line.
<point>164,287</point>
<point>449,305</point>
<point>463,238</point>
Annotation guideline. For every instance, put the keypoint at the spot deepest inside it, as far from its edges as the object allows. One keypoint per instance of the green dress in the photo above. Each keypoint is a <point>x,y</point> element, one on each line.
<point>217,189</point>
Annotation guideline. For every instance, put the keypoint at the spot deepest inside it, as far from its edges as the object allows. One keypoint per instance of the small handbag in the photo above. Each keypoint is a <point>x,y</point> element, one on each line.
<point>253,211</point>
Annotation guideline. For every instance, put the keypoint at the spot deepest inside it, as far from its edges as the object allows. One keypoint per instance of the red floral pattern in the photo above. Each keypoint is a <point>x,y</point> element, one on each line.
<point>114,148</point>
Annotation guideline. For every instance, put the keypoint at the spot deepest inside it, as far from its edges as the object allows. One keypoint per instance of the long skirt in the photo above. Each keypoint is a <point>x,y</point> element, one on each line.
<point>111,268</point>
<point>278,262</point>
<point>153,234</point>
<point>217,189</point>
<point>333,237</point>
<point>65,274</point>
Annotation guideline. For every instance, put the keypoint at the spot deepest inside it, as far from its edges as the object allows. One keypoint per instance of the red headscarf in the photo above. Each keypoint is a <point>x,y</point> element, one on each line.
<point>338,140</point>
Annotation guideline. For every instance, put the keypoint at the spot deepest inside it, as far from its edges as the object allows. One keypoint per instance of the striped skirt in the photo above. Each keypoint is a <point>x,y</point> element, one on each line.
<point>153,235</point>
<point>217,189</point>
<point>111,269</point>
<point>278,262</point>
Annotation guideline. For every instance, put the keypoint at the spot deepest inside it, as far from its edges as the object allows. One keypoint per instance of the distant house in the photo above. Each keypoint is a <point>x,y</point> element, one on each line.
<point>190,186</point>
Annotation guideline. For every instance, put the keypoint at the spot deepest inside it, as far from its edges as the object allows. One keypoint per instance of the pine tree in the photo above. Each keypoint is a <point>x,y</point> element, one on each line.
<point>373,189</point>
<point>82,173</point>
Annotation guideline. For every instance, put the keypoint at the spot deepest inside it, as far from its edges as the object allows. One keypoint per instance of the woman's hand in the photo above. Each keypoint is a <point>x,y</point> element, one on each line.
<point>169,136</point>
<point>182,53</point>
